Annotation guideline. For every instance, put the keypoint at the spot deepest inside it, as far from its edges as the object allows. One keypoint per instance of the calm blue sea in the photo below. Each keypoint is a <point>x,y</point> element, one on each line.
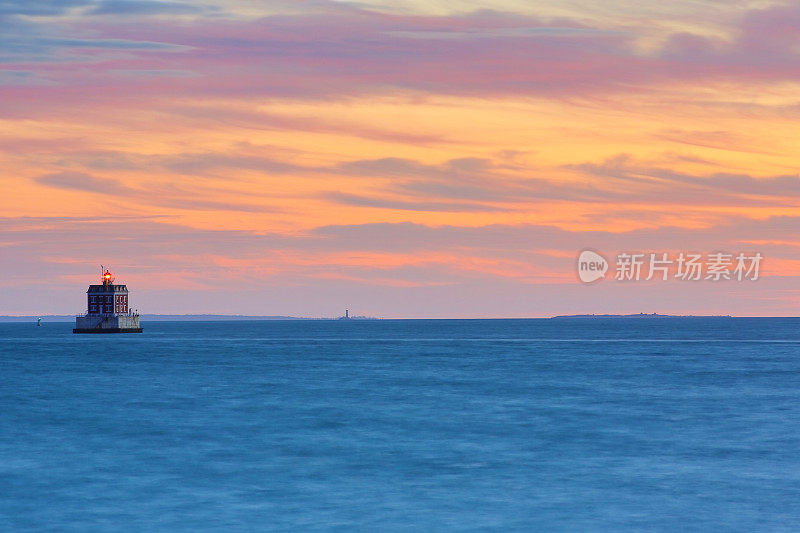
<point>418,425</point>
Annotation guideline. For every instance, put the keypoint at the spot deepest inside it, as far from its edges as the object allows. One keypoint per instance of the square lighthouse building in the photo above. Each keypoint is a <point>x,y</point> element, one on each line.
<point>107,299</point>
<point>107,310</point>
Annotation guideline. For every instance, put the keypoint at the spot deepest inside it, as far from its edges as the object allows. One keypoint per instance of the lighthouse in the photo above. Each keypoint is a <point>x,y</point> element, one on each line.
<point>107,309</point>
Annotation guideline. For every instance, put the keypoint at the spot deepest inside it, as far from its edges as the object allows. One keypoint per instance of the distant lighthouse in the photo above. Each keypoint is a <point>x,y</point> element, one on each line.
<point>107,309</point>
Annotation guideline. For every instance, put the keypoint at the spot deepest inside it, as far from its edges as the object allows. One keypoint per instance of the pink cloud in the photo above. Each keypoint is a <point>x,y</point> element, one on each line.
<point>347,52</point>
<point>495,270</point>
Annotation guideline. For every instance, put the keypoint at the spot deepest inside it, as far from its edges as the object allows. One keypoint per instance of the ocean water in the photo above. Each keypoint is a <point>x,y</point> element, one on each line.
<point>484,425</point>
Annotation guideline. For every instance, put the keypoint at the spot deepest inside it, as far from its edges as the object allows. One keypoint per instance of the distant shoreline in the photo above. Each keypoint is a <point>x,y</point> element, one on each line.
<point>645,315</point>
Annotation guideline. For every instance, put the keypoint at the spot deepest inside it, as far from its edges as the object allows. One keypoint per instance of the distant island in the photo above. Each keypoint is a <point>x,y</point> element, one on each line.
<point>642,315</point>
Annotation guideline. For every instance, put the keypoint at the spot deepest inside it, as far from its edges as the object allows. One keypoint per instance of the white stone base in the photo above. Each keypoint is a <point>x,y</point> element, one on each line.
<point>107,324</point>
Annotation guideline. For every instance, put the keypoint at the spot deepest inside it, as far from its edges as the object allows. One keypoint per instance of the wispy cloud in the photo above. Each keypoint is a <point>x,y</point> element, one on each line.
<point>196,198</point>
<point>144,7</point>
<point>728,187</point>
<point>456,185</point>
<point>347,51</point>
<point>84,182</point>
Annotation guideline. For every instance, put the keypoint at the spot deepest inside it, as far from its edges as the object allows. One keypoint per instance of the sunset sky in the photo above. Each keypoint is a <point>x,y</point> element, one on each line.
<point>415,158</point>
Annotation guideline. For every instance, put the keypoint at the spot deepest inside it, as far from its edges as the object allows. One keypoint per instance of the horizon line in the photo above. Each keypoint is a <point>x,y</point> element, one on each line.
<point>179,316</point>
